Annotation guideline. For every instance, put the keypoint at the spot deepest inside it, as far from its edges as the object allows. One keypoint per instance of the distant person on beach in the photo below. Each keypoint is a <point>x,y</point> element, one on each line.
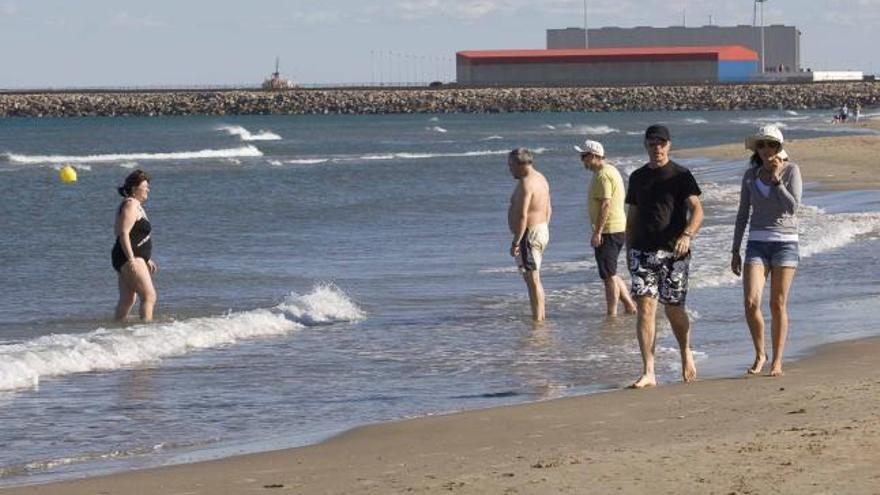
<point>664,215</point>
<point>133,247</point>
<point>605,198</point>
<point>858,112</point>
<point>528,218</point>
<point>768,202</point>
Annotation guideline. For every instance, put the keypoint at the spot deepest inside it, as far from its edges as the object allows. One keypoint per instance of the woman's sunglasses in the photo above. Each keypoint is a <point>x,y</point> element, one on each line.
<point>766,144</point>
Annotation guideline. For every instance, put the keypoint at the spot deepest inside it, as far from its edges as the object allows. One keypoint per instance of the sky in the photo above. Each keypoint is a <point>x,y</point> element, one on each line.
<point>155,43</point>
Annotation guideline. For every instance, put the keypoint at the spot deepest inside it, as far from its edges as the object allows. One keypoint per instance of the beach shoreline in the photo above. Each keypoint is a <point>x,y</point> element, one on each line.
<point>814,430</point>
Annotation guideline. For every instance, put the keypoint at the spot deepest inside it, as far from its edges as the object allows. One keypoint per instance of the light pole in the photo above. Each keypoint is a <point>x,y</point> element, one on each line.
<point>586,35</point>
<point>763,64</point>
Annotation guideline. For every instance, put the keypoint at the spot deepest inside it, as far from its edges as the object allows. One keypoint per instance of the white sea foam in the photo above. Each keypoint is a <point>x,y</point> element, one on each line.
<point>77,166</point>
<point>422,156</point>
<point>25,364</point>
<point>821,232</point>
<point>128,165</point>
<point>597,130</point>
<point>696,120</point>
<point>492,138</point>
<point>246,135</point>
<point>548,126</point>
<point>245,151</point>
<point>437,128</point>
<point>306,161</point>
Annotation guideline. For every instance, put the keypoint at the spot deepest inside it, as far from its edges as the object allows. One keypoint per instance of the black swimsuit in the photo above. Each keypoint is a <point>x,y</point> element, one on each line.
<point>141,244</point>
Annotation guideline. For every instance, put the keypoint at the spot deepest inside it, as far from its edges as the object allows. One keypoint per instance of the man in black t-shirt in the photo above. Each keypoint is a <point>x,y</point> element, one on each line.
<point>664,214</point>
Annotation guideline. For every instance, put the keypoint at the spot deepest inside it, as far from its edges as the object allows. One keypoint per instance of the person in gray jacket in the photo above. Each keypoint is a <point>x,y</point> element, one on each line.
<point>768,202</point>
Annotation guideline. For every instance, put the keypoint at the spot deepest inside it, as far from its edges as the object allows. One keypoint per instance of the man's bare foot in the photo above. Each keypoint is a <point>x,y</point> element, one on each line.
<point>688,369</point>
<point>758,365</point>
<point>631,310</point>
<point>645,381</point>
<point>776,370</point>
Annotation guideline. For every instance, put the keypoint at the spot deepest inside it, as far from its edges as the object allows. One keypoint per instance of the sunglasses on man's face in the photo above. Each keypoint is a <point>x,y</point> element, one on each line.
<point>766,144</point>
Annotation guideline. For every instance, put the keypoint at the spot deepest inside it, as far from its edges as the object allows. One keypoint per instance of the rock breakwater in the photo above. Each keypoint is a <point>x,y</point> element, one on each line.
<point>442,100</point>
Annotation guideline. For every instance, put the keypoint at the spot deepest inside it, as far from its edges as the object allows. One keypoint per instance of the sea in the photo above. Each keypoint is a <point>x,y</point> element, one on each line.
<point>318,273</point>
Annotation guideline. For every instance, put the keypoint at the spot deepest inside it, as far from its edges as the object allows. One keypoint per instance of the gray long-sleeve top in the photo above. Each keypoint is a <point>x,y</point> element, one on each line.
<point>776,212</point>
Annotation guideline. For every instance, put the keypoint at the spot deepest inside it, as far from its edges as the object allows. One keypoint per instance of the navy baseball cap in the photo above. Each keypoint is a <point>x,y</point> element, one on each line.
<point>657,132</point>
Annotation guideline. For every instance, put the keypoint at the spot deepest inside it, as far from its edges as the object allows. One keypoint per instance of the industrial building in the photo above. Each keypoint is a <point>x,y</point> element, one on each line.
<point>597,66</point>
<point>781,43</point>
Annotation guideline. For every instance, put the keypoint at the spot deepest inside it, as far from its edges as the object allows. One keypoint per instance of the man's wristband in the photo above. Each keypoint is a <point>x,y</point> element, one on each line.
<point>688,234</point>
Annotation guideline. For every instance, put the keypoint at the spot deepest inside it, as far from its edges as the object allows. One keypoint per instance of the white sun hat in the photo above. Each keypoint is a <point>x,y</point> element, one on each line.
<point>592,147</point>
<point>765,133</point>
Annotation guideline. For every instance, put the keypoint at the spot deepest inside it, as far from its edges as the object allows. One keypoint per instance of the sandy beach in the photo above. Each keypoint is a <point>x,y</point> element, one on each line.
<point>814,430</point>
<point>830,163</point>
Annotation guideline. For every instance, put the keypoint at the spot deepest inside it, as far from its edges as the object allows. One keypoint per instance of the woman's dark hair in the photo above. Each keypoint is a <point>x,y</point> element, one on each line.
<point>133,180</point>
<point>755,160</point>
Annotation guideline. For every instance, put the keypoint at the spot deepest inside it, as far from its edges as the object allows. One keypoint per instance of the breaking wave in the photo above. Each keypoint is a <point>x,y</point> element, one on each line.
<point>25,364</point>
<point>243,152</point>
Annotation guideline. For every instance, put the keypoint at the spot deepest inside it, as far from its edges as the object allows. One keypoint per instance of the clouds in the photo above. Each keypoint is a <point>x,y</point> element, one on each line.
<point>467,10</point>
<point>125,20</point>
<point>8,9</point>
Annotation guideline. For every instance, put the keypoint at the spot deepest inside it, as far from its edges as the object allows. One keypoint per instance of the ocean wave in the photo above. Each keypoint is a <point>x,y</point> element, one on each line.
<point>243,152</point>
<point>819,233</point>
<point>403,155</point>
<point>245,135</point>
<point>304,161</point>
<point>437,128</point>
<point>696,120</point>
<point>592,130</point>
<point>25,364</point>
<point>492,138</point>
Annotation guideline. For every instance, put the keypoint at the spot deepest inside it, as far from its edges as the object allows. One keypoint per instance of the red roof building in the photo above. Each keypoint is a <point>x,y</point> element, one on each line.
<point>649,65</point>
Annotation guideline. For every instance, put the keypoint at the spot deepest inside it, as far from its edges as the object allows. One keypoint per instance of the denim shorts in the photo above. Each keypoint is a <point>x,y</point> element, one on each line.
<point>772,253</point>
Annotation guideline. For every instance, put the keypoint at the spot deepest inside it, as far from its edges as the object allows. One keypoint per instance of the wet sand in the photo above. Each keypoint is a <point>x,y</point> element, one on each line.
<point>830,163</point>
<point>814,430</point>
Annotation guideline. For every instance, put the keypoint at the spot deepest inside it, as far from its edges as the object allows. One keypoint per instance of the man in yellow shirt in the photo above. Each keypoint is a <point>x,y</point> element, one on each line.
<point>605,200</point>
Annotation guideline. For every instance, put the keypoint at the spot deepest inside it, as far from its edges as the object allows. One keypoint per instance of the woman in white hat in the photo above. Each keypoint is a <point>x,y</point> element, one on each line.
<point>769,198</point>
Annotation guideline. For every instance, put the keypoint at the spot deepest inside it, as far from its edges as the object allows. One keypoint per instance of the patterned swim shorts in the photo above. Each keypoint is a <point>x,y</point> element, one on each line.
<point>659,274</point>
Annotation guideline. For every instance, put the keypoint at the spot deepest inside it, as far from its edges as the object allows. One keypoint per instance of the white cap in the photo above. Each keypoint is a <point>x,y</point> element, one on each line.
<point>765,133</point>
<point>592,147</point>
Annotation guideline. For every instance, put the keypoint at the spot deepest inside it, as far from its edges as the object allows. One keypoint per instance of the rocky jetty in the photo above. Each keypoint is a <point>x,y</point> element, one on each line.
<point>446,99</point>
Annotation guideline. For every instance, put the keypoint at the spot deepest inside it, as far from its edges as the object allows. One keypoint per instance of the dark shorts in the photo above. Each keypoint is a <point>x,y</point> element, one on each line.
<point>607,254</point>
<point>659,274</point>
<point>772,254</point>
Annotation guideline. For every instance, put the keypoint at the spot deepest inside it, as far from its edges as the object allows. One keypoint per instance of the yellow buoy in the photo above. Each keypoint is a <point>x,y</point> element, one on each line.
<point>67,174</point>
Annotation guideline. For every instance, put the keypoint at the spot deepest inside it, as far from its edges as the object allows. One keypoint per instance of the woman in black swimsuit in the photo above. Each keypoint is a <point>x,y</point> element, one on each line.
<point>131,253</point>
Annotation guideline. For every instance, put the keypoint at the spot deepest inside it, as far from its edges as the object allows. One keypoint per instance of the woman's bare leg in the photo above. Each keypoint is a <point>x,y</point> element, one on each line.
<point>780,283</point>
<point>127,299</point>
<point>754,277</point>
<point>137,276</point>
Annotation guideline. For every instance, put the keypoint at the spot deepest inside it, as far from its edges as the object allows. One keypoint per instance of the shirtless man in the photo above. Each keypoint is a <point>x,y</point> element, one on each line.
<point>528,219</point>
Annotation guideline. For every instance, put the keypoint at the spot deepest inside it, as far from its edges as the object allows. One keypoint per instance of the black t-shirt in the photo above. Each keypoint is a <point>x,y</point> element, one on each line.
<point>660,194</point>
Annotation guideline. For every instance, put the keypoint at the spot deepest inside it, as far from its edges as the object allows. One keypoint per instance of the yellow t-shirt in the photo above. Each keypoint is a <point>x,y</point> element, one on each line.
<point>607,183</point>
